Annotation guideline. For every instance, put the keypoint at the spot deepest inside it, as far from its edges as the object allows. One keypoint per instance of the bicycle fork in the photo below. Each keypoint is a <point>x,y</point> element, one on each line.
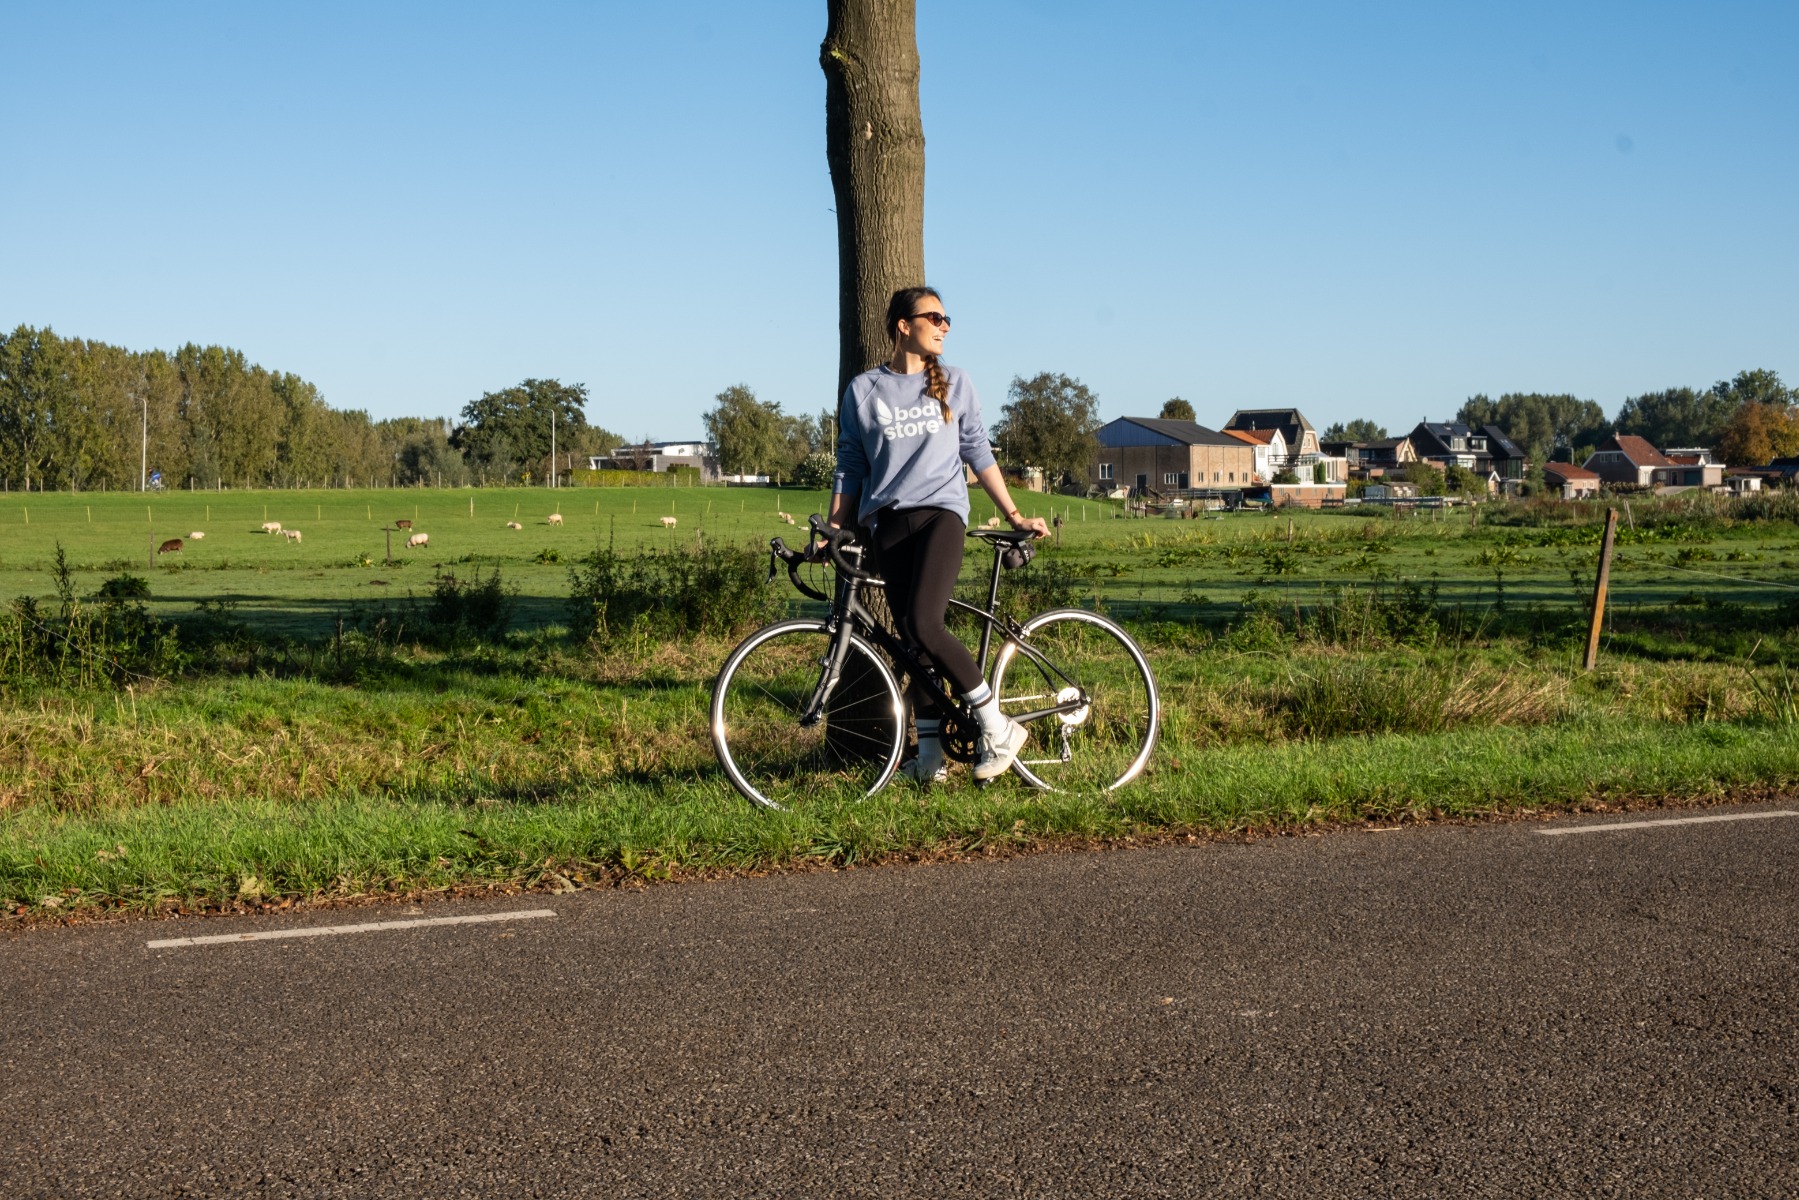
<point>828,678</point>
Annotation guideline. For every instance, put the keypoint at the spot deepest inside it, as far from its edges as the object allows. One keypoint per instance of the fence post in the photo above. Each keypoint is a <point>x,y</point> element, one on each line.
<point>1605,574</point>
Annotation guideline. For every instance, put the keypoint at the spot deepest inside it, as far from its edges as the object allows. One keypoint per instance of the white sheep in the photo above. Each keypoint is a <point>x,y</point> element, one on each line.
<point>668,522</point>
<point>417,539</point>
<point>513,525</point>
<point>196,535</point>
<point>292,535</point>
<point>553,519</point>
<point>992,523</point>
<point>779,515</point>
<point>271,527</point>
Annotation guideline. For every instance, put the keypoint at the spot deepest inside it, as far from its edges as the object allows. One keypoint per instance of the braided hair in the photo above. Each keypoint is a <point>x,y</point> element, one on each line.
<point>900,309</point>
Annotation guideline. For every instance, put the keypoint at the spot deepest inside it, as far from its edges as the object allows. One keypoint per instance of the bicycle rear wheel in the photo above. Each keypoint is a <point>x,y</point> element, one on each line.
<point>1106,742</point>
<point>764,688</point>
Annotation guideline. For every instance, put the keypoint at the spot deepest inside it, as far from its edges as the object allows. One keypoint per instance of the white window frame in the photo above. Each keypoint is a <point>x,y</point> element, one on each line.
<point>1105,471</point>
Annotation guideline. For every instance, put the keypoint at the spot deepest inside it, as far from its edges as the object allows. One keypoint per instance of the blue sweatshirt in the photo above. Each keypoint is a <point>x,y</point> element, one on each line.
<point>894,449</point>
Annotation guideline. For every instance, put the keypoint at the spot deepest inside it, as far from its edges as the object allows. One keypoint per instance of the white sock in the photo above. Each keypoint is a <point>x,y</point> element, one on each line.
<point>930,744</point>
<point>986,710</point>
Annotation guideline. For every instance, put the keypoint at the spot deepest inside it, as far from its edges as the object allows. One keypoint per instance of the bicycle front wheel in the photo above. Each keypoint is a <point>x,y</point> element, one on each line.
<point>763,690</point>
<point>1079,656</point>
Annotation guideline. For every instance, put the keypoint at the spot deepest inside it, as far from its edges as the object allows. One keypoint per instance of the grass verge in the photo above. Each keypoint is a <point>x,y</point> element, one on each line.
<point>238,854</point>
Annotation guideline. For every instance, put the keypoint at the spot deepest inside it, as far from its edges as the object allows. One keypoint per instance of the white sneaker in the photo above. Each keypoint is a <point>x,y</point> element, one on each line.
<point>997,753</point>
<point>914,769</point>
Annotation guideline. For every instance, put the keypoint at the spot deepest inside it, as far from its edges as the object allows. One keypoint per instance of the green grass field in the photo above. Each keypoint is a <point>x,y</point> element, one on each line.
<point>1314,667</point>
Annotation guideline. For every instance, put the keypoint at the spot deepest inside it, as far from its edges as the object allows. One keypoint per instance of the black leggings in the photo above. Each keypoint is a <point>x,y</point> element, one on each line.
<point>920,551</point>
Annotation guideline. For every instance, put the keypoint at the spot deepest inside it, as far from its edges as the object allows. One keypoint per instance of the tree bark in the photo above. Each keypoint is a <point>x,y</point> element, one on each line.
<point>874,143</point>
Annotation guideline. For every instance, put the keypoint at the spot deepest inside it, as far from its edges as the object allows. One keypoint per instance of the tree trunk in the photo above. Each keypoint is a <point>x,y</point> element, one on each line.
<point>874,143</point>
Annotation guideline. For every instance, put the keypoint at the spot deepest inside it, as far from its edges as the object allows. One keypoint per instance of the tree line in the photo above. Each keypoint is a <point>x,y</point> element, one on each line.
<point>87,416</point>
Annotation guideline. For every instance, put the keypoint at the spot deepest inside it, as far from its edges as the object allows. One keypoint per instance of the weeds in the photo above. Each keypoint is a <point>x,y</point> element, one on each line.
<point>659,594</point>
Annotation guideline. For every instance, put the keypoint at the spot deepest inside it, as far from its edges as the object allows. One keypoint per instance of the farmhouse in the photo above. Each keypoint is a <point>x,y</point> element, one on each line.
<point>1569,481</point>
<point>1483,449</point>
<point>1372,460</point>
<point>1148,454</point>
<point>1627,458</point>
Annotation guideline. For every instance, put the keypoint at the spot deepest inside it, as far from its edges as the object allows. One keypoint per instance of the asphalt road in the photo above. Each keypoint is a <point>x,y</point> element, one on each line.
<point>1445,1011</point>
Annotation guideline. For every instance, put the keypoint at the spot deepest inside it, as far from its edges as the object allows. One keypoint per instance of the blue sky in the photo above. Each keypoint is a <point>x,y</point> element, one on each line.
<point>1370,210</point>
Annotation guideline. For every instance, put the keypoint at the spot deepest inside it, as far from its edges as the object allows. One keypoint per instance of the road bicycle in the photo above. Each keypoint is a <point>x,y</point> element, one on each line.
<point>812,707</point>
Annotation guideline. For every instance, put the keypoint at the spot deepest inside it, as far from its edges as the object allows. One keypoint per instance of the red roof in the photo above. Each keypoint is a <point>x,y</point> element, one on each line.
<point>1568,472</point>
<point>1260,437</point>
<point>1637,450</point>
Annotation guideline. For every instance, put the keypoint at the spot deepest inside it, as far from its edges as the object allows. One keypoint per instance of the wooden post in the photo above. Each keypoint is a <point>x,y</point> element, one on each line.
<point>1605,574</point>
<point>389,531</point>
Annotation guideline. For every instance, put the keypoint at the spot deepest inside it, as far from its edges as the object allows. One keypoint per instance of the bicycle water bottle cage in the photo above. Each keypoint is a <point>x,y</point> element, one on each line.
<point>1017,555</point>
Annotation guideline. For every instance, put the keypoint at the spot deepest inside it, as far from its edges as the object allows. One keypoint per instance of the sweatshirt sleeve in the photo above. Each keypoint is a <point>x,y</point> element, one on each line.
<point>977,450</point>
<point>852,459</point>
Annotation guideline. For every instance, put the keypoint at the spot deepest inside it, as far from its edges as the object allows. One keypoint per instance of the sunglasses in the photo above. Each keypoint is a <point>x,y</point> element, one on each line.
<point>935,318</point>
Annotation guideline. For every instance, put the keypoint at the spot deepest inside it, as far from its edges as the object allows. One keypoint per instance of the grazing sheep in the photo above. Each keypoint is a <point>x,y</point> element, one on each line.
<point>271,527</point>
<point>992,522</point>
<point>417,539</point>
<point>553,519</point>
<point>513,525</point>
<point>402,523</point>
<point>292,535</point>
<point>172,546</point>
<point>668,522</point>
<point>196,535</point>
<point>784,516</point>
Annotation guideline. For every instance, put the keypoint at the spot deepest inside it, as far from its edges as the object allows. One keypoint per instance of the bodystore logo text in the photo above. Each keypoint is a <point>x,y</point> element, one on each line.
<point>905,422</point>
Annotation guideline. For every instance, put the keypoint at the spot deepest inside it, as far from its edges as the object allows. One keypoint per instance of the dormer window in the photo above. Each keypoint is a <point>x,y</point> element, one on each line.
<point>1477,444</point>
<point>1456,443</point>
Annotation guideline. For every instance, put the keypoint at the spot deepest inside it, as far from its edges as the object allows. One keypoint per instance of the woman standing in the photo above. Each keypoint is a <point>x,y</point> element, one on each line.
<point>907,427</point>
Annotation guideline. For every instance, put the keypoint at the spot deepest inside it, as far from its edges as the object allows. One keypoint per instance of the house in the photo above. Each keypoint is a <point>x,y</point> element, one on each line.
<point>660,456</point>
<point>1371,460</point>
<point>1629,459</point>
<point>1570,481</point>
<point>1483,449</point>
<point>1302,454</point>
<point>1147,454</point>
<point>1270,447</point>
<point>1297,432</point>
<point>1692,468</point>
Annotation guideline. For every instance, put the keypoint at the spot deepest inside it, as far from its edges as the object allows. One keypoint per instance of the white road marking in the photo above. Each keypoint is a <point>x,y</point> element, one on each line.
<point>1754,816</point>
<point>329,930</point>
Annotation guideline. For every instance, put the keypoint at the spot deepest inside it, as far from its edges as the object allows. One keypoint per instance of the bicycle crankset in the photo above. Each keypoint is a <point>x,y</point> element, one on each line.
<point>960,743</point>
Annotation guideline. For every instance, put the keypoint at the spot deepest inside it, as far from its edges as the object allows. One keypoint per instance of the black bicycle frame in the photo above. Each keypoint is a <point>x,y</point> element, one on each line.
<point>849,616</point>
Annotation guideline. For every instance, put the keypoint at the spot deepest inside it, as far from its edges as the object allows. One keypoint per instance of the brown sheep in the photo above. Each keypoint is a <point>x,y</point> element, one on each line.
<point>172,546</point>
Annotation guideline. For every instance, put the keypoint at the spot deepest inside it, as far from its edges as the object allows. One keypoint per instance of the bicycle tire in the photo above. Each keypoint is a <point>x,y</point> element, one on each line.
<point>1108,742</point>
<point>761,691</point>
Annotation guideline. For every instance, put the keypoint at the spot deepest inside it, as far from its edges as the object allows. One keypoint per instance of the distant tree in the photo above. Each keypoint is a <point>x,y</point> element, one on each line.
<point>1359,430</point>
<point>752,438</point>
<point>509,430</point>
<point>1285,475</point>
<point>1049,423</point>
<point>1543,426</point>
<point>1761,386</point>
<point>1176,409</point>
<point>1428,479</point>
<point>1678,416</point>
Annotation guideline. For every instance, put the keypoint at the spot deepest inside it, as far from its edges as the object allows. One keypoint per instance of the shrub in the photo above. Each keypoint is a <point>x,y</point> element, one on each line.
<point>123,587</point>
<point>667,593</point>
<point>475,607</point>
<point>815,470</point>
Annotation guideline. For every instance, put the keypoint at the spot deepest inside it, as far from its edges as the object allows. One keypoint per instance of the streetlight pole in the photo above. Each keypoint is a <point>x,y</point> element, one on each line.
<point>143,449</point>
<point>552,445</point>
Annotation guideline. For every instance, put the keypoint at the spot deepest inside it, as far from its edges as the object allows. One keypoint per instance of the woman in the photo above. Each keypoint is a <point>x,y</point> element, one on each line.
<point>906,429</point>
